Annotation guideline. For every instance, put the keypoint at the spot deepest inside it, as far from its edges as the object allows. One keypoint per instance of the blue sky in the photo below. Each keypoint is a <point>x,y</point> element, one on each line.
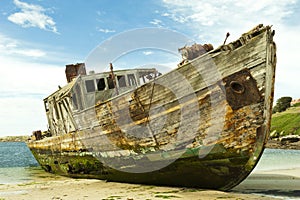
<point>39,37</point>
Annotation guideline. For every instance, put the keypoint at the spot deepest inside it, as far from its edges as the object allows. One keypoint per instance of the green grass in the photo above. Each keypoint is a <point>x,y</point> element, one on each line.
<point>29,183</point>
<point>113,198</point>
<point>287,121</point>
<point>166,192</point>
<point>296,105</point>
<point>191,190</point>
<point>166,196</point>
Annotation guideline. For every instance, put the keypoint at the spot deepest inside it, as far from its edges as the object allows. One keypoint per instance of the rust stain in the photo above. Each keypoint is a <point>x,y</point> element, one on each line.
<point>241,89</point>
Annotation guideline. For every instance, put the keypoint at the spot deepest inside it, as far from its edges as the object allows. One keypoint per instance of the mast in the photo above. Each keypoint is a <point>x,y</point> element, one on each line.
<point>113,78</point>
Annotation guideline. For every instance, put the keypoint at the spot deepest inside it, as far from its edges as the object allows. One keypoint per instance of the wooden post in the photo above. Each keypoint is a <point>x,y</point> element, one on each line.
<point>227,35</point>
<point>113,78</point>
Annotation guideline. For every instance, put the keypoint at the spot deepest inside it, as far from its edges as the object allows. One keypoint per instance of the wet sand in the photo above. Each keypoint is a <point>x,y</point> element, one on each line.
<point>282,184</point>
<point>259,185</point>
<point>71,189</point>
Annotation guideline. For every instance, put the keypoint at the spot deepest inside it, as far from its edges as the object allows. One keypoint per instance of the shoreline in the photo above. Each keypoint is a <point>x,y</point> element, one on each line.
<point>260,185</point>
<point>280,184</point>
<point>275,144</point>
<point>69,189</point>
<point>21,138</point>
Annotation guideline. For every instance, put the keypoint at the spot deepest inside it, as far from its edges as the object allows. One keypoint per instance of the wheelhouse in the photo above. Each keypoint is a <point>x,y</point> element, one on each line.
<point>85,91</point>
<point>96,88</point>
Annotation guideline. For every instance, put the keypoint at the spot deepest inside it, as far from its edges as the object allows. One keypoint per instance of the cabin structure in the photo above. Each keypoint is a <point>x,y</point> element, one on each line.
<point>84,91</point>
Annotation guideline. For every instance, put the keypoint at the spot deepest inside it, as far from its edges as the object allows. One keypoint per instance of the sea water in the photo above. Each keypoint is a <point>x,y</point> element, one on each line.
<point>17,164</point>
<point>276,175</point>
<point>278,159</point>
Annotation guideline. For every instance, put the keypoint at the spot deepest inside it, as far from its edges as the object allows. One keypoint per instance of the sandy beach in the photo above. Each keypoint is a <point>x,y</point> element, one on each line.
<point>262,185</point>
<point>71,189</point>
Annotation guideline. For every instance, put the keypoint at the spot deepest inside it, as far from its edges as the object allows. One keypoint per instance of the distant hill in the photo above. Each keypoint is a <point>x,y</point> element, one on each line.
<point>22,138</point>
<point>287,122</point>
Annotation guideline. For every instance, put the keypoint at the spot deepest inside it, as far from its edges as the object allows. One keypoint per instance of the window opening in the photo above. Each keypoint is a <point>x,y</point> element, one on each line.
<point>100,84</point>
<point>46,106</point>
<point>78,97</point>
<point>121,80</point>
<point>90,86</point>
<point>131,80</point>
<point>74,100</point>
<point>110,82</point>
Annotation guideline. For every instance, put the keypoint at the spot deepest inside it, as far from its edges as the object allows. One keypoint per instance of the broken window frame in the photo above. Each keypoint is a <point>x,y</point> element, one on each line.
<point>121,80</point>
<point>131,80</point>
<point>102,84</point>
<point>90,85</point>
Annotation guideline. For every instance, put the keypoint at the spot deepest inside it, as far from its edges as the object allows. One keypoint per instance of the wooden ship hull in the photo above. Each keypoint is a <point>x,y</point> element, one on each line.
<point>204,124</point>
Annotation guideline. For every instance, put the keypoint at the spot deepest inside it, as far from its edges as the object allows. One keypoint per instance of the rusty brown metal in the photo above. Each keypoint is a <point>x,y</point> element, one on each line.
<point>227,35</point>
<point>73,70</point>
<point>37,134</point>
<point>241,89</point>
<point>194,51</point>
<point>113,77</point>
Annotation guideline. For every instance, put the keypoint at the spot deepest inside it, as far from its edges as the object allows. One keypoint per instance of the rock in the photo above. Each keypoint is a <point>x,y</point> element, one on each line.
<point>274,134</point>
<point>277,144</point>
<point>289,139</point>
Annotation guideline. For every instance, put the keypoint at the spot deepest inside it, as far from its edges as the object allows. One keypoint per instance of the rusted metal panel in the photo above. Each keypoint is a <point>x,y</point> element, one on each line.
<point>74,70</point>
<point>241,89</point>
<point>196,50</point>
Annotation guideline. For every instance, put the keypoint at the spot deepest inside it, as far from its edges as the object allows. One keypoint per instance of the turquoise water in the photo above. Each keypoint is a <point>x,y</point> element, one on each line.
<point>15,154</point>
<point>278,159</point>
<point>275,175</point>
<point>17,164</point>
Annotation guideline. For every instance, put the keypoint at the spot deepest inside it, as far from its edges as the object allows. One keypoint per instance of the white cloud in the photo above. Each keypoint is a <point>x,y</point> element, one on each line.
<point>23,86</point>
<point>106,30</point>
<point>28,51</point>
<point>147,53</point>
<point>157,23</point>
<point>165,14</point>
<point>287,72</point>
<point>21,116</point>
<point>100,13</point>
<point>32,16</point>
<point>12,47</point>
<point>32,53</point>
<point>22,77</point>
<point>216,17</point>
<point>24,82</point>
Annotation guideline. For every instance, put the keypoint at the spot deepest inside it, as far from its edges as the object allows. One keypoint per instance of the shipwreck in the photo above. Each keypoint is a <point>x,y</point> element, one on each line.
<point>204,124</point>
